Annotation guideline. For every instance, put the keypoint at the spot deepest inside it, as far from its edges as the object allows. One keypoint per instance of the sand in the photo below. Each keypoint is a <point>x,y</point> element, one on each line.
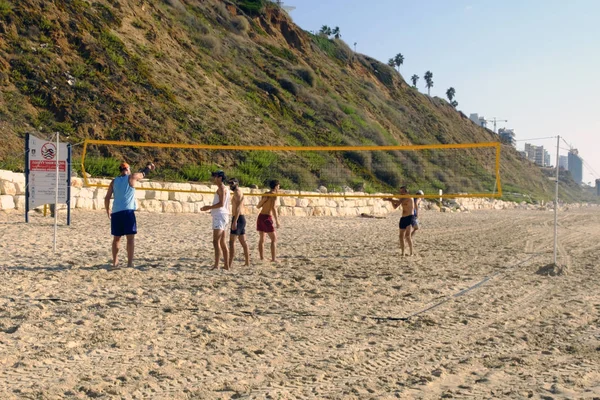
<point>341,316</point>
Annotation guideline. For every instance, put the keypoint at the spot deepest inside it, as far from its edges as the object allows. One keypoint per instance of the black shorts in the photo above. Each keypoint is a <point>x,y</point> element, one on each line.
<point>241,226</point>
<point>407,221</point>
<point>123,223</point>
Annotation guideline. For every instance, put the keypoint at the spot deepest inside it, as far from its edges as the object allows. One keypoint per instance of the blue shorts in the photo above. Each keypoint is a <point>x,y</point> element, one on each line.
<point>123,223</point>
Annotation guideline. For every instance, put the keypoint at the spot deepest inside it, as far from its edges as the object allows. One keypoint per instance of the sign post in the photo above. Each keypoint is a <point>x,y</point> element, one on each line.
<point>47,174</point>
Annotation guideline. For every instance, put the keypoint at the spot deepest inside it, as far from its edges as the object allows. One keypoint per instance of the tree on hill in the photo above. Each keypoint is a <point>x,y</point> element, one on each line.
<point>336,32</point>
<point>325,30</point>
<point>450,93</point>
<point>399,60</point>
<point>414,79</point>
<point>428,81</point>
<point>454,103</point>
<point>392,63</point>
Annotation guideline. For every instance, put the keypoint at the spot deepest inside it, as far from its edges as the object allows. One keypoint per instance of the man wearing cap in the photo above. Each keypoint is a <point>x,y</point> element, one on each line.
<point>122,215</point>
<point>415,225</point>
<point>220,214</point>
<point>406,221</point>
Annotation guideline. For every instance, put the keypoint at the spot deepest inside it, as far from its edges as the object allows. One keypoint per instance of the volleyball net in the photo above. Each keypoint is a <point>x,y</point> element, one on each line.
<point>457,170</point>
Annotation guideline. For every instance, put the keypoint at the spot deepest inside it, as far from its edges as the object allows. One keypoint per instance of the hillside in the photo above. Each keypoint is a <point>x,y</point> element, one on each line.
<point>219,72</point>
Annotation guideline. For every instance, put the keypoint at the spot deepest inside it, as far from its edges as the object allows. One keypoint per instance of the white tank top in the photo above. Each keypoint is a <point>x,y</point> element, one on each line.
<point>224,210</point>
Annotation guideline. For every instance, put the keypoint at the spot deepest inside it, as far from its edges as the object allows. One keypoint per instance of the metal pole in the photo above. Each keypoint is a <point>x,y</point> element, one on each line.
<point>556,201</point>
<point>56,193</point>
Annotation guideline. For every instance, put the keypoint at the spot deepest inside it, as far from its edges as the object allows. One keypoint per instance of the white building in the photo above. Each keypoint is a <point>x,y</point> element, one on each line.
<point>478,120</point>
<point>537,155</point>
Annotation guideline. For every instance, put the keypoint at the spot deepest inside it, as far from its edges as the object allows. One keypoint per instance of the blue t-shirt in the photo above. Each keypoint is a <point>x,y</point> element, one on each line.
<point>124,194</point>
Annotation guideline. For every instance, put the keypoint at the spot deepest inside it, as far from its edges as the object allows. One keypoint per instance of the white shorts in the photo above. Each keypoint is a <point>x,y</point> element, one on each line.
<point>220,221</point>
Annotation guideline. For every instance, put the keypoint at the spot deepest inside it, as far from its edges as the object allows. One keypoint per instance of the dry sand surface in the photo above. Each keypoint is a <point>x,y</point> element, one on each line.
<point>327,322</point>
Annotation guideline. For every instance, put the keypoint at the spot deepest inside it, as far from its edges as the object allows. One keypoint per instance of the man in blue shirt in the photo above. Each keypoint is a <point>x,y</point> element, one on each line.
<point>122,217</point>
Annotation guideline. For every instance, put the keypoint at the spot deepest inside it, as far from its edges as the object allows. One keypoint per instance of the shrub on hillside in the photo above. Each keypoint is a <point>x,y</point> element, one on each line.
<point>288,85</point>
<point>252,7</point>
<point>209,42</point>
<point>240,24</point>
<point>307,75</point>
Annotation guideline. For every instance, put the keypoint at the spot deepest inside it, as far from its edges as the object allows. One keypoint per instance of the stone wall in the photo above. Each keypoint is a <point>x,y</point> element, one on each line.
<point>155,199</point>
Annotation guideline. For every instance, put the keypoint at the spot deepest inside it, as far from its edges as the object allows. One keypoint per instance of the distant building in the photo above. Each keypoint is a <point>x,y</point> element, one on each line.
<point>575,166</point>
<point>563,162</point>
<point>598,187</point>
<point>508,136</point>
<point>547,162</point>
<point>537,155</point>
<point>478,120</point>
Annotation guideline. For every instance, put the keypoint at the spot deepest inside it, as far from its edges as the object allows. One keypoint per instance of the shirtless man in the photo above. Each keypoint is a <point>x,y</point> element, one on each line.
<point>408,207</point>
<point>238,222</point>
<point>264,223</point>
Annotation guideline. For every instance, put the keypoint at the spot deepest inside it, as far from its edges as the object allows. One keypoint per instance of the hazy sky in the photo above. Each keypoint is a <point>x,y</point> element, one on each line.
<point>531,62</point>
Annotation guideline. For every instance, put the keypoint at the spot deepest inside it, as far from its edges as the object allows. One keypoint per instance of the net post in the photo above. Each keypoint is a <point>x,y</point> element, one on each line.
<point>556,201</point>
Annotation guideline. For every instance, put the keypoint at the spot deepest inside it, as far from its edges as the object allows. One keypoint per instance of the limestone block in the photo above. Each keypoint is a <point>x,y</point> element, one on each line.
<point>187,207</point>
<point>87,193</point>
<point>179,196</point>
<point>318,211</point>
<point>156,195</point>
<point>333,212</point>
<point>208,198</point>
<point>331,203</point>
<point>301,202</point>
<point>100,193</point>
<point>20,188</point>
<point>84,202</point>
<point>140,194</point>
<point>19,202</point>
<point>288,201</point>
<point>6,175</point>
<point>183,187</point>
<point>350,203</point>
<point>198,207</point>
<point>251,200</point>
<point>8,188</point>
<point>300,212</point>
<point>151,205</point>
<point>285,211</point>
<point>194,197</point>
<point>171,207</point>
<point>76,182</point>
<point>98,204</point>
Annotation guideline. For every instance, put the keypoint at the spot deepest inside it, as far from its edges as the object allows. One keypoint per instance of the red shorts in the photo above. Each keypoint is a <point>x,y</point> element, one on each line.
<point>264,223</point>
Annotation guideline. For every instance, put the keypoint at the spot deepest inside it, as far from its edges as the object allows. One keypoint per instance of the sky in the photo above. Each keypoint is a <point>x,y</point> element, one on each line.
<point>531,62</point>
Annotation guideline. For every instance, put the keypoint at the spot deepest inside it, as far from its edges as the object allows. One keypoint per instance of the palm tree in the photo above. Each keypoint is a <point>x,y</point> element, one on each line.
<point>392,63</point>
<point>399,60</point>
<point>450,93</point>
<point>336,32</point>
<point>428,81</point>
<point>325,30</point>
<point>414,79</point>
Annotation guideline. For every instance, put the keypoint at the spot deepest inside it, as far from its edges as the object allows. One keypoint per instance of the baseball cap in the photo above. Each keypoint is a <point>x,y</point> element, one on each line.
<point>123,166</point>
<point>420,192</point>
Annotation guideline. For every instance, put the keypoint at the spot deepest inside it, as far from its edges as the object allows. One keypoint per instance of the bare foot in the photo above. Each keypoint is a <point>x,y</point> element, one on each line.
<point>130,266</point>
<point>113,268</point>
<point>214,268</point>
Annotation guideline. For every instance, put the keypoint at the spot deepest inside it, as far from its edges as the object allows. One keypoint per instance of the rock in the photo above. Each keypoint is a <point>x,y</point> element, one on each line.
<point>322,189</point>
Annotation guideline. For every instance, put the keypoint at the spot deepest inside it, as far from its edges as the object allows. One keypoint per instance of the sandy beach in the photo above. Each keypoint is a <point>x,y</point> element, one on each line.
<point>342,316</point>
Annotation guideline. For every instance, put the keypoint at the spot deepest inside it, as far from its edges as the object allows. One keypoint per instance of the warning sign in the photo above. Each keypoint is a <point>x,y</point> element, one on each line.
<point>42,162</point>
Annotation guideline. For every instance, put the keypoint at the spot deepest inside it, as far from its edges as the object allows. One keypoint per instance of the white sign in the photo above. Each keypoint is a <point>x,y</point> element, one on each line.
<point>42,172</point>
